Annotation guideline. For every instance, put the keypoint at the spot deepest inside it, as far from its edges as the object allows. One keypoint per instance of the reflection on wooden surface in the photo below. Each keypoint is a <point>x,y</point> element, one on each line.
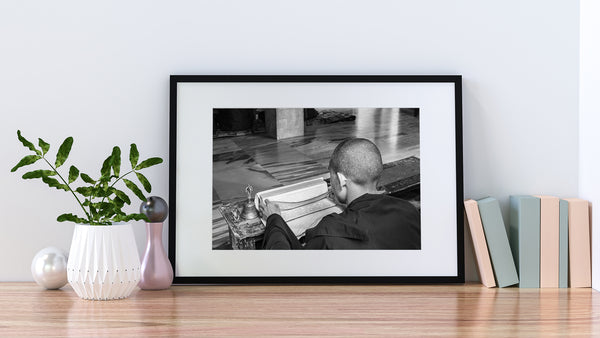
<point>455,310</point>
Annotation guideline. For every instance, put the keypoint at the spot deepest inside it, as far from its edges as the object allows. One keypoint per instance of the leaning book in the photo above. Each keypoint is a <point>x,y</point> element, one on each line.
<point>497,241</point>
<point>486,273</point>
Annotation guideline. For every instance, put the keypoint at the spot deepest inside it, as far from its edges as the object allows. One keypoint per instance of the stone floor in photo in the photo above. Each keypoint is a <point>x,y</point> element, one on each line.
<point>267,163</point>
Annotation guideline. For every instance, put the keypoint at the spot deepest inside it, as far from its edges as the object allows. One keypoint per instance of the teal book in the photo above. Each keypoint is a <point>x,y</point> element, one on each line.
<point>497,241</point>
<point>524,238</point>
<point>563,245</point>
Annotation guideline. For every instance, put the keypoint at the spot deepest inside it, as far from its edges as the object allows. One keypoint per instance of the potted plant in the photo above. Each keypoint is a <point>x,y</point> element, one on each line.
<point>103,261</point>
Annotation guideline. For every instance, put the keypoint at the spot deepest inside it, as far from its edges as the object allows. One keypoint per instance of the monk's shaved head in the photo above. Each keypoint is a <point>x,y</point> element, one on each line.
<point>358,159</point>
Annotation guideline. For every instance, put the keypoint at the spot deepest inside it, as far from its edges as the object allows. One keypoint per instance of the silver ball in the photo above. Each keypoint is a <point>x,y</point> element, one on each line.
<point>155,208</point>
<point>49,268</point>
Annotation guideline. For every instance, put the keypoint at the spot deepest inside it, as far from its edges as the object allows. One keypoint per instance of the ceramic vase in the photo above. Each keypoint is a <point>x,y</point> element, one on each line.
<point>157,273</point>
<point>103,262</point>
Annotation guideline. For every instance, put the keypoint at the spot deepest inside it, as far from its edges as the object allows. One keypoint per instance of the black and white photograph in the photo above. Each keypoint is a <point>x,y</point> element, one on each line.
<point>302,178</point>
<point>316,178</point>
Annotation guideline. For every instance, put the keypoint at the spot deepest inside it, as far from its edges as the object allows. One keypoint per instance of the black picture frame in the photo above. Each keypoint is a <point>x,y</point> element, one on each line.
<point>453,87</point>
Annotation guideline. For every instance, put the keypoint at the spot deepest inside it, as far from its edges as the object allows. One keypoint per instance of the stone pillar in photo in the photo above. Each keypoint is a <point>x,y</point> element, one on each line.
<point>284,123</point>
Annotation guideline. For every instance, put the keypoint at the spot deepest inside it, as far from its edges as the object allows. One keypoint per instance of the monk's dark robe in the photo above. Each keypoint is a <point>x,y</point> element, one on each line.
<point>372,221</point>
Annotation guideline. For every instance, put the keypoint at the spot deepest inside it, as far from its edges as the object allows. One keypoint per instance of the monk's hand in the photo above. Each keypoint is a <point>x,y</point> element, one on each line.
<point>271,208</point>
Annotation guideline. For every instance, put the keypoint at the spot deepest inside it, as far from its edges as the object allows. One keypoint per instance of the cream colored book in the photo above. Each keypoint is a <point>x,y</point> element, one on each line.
<point>486,273</point>
<point>580,268</point>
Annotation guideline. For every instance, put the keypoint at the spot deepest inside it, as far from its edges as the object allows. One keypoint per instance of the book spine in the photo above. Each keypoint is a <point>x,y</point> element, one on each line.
<point>524,236</point>
<point>579,244</point>
<point>486,273</point>
<point>497,241</point>
<point>563,265</point>
<point>549,241</point>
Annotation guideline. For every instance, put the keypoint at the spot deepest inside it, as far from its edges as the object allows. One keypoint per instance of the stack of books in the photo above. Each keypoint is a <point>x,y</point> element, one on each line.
<point>547,244</point>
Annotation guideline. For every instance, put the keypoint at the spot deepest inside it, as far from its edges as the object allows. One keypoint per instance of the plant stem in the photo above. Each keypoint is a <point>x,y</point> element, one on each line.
<point>71,190</point>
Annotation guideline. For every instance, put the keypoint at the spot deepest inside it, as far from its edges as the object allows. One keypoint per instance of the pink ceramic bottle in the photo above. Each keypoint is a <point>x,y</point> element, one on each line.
<point>157,273</point>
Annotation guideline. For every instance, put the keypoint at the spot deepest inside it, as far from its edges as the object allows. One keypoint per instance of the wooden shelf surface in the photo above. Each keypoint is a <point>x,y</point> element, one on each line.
<point>275,310</point>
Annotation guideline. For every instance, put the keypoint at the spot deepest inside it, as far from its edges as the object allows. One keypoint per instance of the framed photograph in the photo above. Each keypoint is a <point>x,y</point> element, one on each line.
<point>316,179</point>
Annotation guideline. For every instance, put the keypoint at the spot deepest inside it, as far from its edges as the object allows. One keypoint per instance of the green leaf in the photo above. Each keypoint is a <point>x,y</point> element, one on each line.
<point>131,217</point>
<point>73,174</point>
<point>100,188</point>
<point>63,151</point>
<point>105,209</point>
<point>103,191</point>
<point>45,146</point>
<point>105,171</point>
<point>116,160</point>
<point>99,191</point>
<point>85,191</point>
<point>27,143</point>
<point>123,196</point>
<point>38,174</point>
<point>71,218</point>
<point>136,217</point>
<point>93,212</point>
<point>134,189</point>
<point>118,203</point>
<point>149,162</point>
<point>117,210</point>
<point>87,179</point>
<point>134,155</point>
<point>53,183</point>
<point>144,182</point>
<point>27,160</point>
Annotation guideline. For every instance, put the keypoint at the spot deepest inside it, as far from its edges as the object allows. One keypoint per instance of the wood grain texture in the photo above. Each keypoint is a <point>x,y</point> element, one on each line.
<point>456,310</point>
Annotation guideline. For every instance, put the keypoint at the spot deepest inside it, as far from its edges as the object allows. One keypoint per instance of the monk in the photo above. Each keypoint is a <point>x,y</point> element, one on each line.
<point>371,219</point>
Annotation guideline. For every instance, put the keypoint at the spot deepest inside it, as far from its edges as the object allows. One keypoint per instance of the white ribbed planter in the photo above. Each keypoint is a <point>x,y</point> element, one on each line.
<point>103,262</point>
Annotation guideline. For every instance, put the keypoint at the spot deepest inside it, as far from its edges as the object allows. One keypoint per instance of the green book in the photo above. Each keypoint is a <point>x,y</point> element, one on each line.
<point>524,237</point>
<point>563,245</point>
<point>497,241</point>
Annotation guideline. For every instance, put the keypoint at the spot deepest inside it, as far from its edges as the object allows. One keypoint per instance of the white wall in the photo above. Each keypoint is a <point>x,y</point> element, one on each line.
<point>589,120</point>
<point>100,73</point>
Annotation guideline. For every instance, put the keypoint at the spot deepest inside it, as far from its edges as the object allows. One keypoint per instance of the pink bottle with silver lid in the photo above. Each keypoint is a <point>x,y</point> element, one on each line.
<point>157,272</point>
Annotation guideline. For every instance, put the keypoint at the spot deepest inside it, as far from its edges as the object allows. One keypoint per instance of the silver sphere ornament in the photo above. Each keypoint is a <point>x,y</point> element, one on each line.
<point>49,268</point>
<point>155,208</point>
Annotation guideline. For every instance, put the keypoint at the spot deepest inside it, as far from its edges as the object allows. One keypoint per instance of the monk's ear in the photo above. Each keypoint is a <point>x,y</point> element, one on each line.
<point>342,179</point>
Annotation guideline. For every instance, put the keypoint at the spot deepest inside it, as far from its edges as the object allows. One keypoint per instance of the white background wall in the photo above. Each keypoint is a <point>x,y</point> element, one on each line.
<point>589,119</point>
<point>99,72</point>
